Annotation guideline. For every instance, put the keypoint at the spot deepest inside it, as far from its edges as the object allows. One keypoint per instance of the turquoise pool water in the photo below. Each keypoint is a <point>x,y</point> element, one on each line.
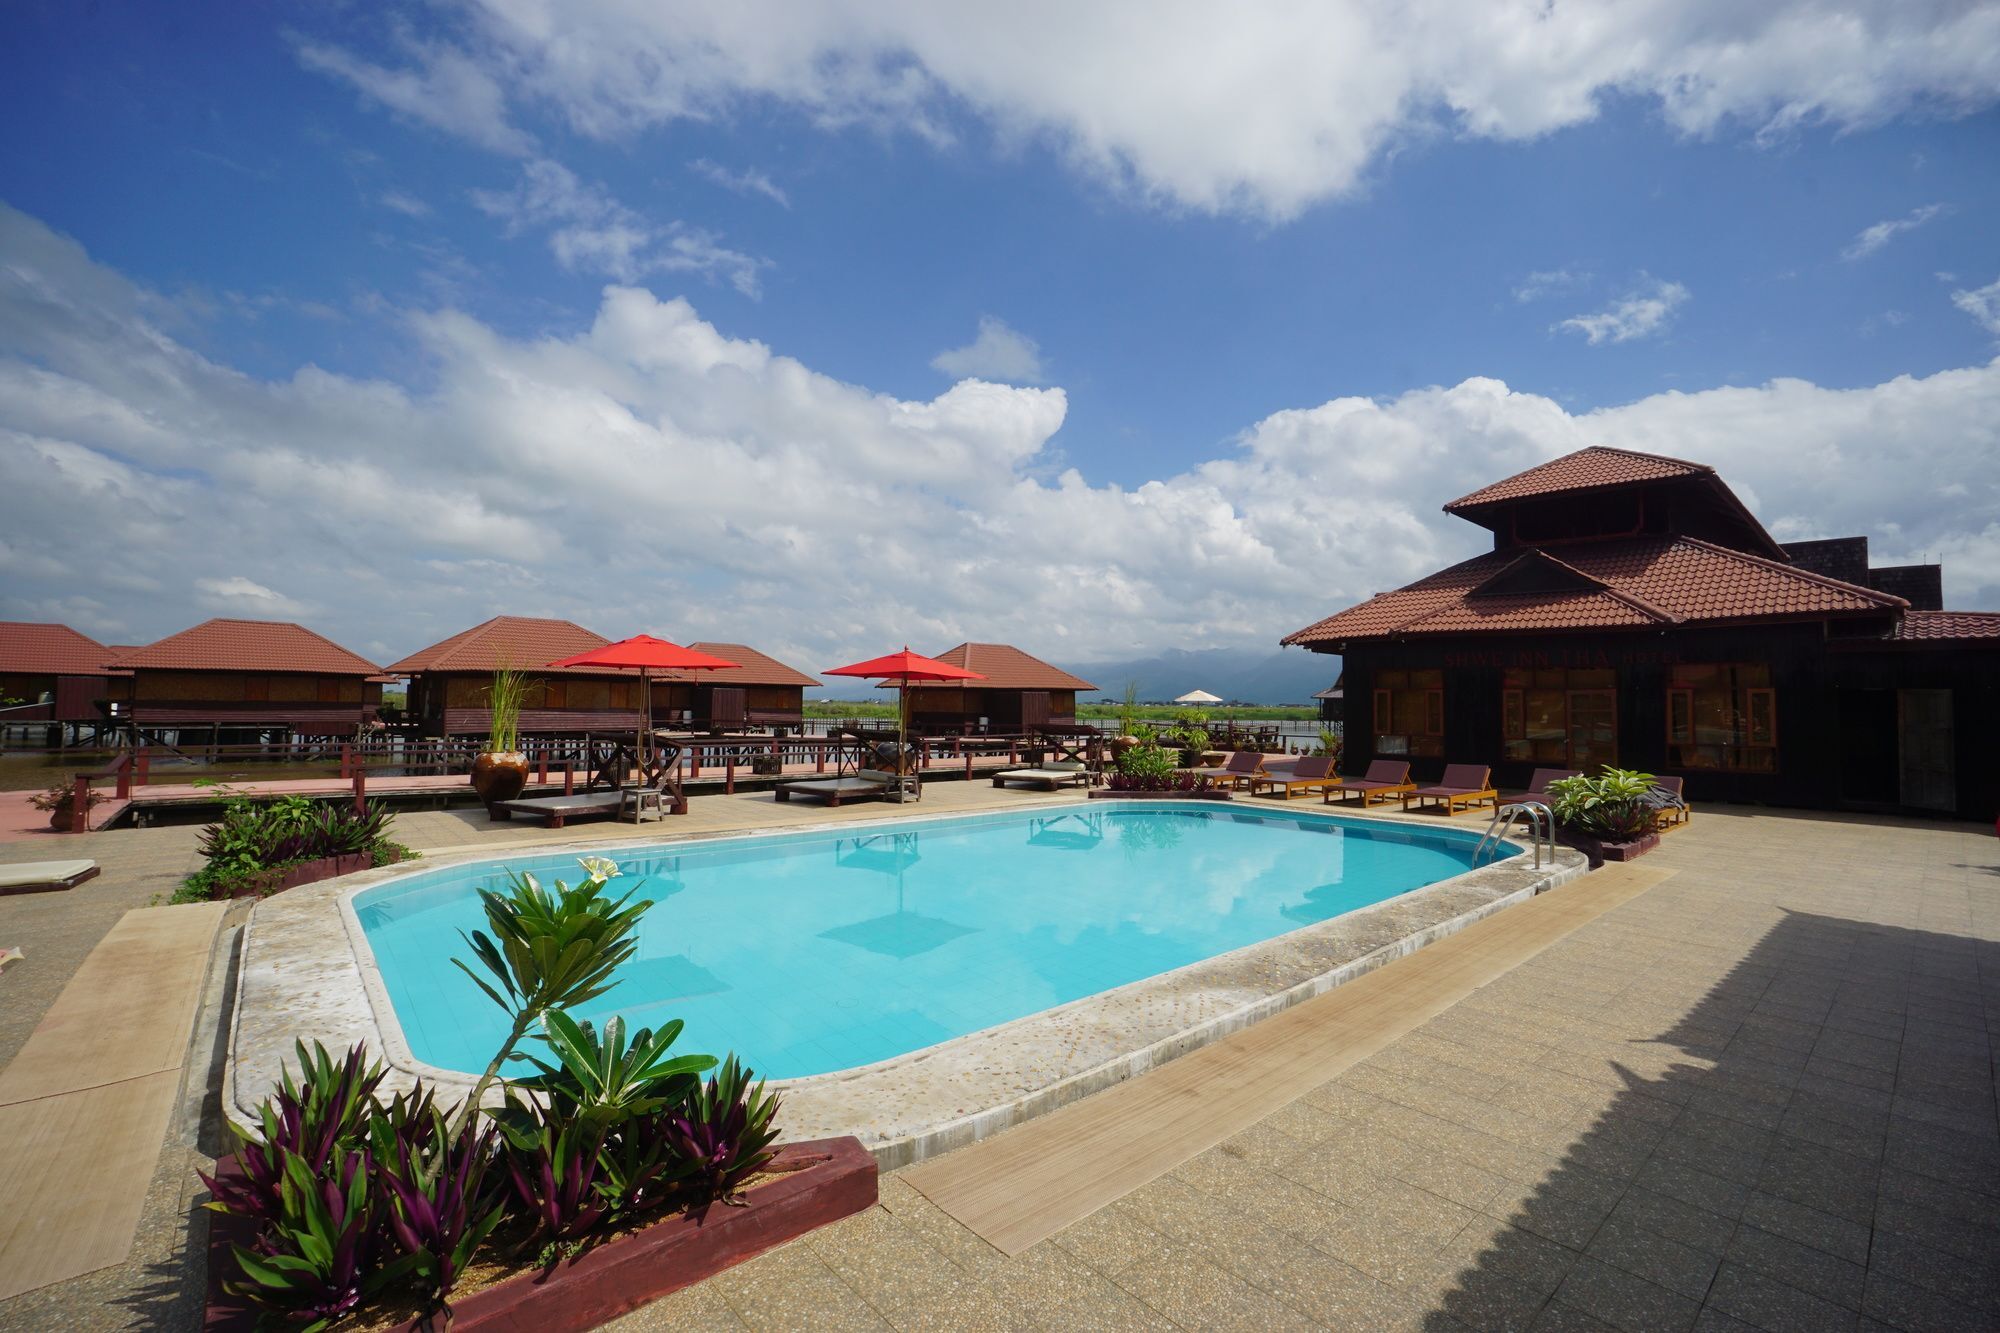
<point>813,952</point>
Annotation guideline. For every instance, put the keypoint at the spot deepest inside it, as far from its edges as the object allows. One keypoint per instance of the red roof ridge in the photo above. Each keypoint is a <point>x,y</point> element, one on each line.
<point>161,652</point>
<point>1889,601</point>
<point>1473,500</point>
<point>442,655</point>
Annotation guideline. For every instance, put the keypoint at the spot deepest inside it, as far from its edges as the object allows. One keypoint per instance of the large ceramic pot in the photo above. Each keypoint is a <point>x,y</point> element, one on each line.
<point>499,776</point>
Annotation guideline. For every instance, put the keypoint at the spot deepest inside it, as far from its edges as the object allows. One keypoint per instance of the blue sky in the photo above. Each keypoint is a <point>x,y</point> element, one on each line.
<point>1183,263</point>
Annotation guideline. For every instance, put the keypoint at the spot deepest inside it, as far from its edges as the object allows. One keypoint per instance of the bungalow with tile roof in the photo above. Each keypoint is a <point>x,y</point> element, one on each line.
<point>51,674</point>
<point>244,680</point>
<point>1632,611</point>
<point>449,681</point>
<point>759,693</point>
<point>1017,695</point>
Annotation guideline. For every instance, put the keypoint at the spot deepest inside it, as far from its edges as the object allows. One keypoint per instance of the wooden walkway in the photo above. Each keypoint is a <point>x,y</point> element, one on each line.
<point>1029,1183</point>
<point>84,1107</point>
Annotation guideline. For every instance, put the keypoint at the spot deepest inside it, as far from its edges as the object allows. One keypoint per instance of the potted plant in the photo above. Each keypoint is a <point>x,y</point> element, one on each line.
<point>1606,817</point>
<point>500,771</point>
<point>60,801</point>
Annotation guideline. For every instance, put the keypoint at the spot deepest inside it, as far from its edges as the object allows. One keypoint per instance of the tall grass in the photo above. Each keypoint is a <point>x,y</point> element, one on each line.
<point>505,696</point>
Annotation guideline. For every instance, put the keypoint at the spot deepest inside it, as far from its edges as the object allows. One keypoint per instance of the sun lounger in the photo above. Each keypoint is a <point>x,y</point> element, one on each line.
<point>45,876</point>
<point>861,785</point>
<point>1385,778</point>
<point>1241,767</point>
<point>1463,787</point>
<point>557,810</point>
<point>1051,774</point>
<point>8,956</point>
<point>1312,772</point>
<point>1538,784</point>
<point>1667,797</point>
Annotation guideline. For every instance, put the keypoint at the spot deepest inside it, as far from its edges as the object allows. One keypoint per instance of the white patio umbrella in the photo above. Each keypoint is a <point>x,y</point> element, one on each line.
<point>1199,697</point>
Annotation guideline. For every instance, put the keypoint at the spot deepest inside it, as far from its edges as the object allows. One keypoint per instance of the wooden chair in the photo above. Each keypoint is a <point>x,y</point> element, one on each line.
<point>1242,766</point>
<point>1668,798</point>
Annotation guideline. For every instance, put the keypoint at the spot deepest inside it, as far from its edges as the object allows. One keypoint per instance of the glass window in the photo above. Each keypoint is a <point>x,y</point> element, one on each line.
<point>1724,716</point>
<point>1409,712</point>
<point>1557,718</point>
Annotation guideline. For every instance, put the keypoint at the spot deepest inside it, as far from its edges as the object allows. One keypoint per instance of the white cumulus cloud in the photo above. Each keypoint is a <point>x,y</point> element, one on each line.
<point>742,495</point>
<point>237,595</point>
<point>997,353</point>
<point>1639,314</point>
<point>743,180</point>
<point>1263,107</point>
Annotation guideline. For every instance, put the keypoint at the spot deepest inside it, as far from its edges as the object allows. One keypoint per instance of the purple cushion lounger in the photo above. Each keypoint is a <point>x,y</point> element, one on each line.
<point>1385,778</point>
<point>1463,786</point>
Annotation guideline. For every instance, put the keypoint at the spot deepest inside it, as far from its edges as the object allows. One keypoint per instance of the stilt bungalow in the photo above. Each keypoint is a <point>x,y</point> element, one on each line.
<point>244,681</point>
<point>53,677</point>
<point>1017,695</point>
<point>1633,612</point>
<point>449,681</point>
<point>762,693</point>
<point>1332,702</point>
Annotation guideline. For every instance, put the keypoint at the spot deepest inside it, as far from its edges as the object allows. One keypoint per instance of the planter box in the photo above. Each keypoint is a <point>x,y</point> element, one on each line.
<point>1599,851</point>
<point>310,872</point>
<point>1106,794</point>
<point>822,1181</point>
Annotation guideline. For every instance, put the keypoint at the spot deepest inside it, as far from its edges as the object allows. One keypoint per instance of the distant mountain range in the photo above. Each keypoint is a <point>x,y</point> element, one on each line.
<point>1289,676</point>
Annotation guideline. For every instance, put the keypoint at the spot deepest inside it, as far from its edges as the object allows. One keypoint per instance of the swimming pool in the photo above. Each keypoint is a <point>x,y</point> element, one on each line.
<point>810,953</point>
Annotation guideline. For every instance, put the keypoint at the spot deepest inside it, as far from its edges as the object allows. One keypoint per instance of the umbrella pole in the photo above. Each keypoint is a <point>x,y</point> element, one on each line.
<point>640,750</point>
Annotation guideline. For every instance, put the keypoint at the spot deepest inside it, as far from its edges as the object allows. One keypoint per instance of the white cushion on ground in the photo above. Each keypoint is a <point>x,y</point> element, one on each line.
<point>42,872</point>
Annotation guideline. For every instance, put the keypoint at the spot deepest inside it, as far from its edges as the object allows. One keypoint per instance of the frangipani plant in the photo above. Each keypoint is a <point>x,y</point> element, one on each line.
<point>548,951</point>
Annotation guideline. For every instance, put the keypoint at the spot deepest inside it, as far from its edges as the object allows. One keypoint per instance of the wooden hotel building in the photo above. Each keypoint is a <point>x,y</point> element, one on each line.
<point>760,691</point>
<point>244,680</point>
<point>1633,612</point>
<point>449,681</point>
<point>53,675</point>
<point>1017,695</point>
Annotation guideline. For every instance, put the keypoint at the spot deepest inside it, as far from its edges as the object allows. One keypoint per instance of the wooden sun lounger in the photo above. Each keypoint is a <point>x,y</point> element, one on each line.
<point>1313,772</point>
<point>1052,775</point>
<point>1241,767</point>
<point>558,809</point>
<point>859,785</point>
<point>1463,787</point>
<point>1668,798</point>
<point>1385,778</point>
<point>1538,783</point>
<point>45,876</point>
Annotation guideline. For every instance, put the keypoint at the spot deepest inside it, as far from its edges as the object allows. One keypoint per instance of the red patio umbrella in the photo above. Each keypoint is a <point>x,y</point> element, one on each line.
<point>903,668</point>
<point>645,654</point>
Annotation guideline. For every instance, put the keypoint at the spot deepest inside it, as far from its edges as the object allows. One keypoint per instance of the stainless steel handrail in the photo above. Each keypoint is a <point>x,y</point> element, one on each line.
<point>1541,825</point>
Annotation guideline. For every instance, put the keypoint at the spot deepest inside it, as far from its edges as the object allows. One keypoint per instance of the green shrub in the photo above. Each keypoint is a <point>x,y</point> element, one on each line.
<point>1611,805</point>
<point>1147,759</point>
<point>255,842</point>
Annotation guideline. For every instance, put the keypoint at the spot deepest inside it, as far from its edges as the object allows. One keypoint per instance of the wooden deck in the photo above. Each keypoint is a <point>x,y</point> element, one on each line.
<point>1027,1184</point>
<point>85,1105</point>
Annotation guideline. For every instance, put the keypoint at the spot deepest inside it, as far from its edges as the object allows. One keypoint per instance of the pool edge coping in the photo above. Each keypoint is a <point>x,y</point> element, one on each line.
<point>354,970</point>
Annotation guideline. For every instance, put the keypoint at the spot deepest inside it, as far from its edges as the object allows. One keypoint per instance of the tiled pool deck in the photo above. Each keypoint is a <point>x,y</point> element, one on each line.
<point>1760,1094</point>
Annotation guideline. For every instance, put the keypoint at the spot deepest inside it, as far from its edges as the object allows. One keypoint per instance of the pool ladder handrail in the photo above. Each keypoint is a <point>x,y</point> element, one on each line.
<point>1541,824</point>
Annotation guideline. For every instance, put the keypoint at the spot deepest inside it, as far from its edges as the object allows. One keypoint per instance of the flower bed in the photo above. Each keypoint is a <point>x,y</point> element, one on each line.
<point>259,848</point>
<point>810,1185</point>
<point>1600,850</point>
<point>1204,794</point>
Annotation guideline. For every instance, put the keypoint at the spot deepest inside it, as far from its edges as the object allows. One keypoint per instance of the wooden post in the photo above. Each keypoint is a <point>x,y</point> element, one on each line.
<point>346,758</point>
<point>542,769</point>
<point>819,756</point>
<point>79,805</point>
<point>569,778</point>
<point>360,789</point>
<point>142,766</point>
<point>125,776</point>
<point>968,763</point>
<point>1013,753</point>
<point>729,775</point>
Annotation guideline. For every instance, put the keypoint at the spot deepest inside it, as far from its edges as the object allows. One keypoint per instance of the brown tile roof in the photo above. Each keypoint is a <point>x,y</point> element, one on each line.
<point>249,645</point>
<point>1006,667</point>
<point>1925,626</point>
<point>524,642</point>
<point>31,649</point>
<point>753,668</point>
<point>1585,470</point>
<point>1638,581</point>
